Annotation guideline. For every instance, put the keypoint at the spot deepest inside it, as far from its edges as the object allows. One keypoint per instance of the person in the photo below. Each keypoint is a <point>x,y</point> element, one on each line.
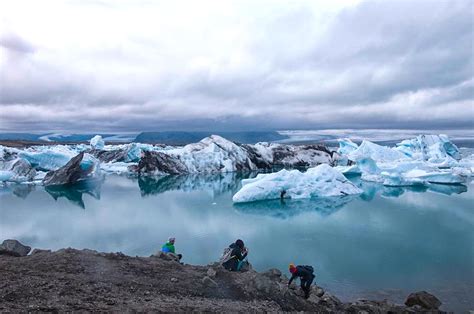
<point>169,248</point>
<point>306,275</point>
<point>233,257</point>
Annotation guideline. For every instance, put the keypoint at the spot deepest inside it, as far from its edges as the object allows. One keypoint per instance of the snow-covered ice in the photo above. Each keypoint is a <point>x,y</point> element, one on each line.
<point>320,181</point>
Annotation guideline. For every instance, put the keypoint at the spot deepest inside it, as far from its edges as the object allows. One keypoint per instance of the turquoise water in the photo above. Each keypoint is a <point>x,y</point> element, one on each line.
<point>385,243</point>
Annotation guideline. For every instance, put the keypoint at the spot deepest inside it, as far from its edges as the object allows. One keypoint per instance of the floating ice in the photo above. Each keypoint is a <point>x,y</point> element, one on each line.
<point>346,146</point>
<point>97,142</point>
<point>320,181</point>
<point>376,152</point>
<point>434,148</point>
<point>48,157</point>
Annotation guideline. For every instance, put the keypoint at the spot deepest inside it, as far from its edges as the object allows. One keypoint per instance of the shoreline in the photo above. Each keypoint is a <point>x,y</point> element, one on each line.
<point>71,280</point>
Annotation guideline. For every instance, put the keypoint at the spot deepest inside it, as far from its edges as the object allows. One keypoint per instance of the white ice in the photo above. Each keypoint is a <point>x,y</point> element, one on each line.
<point>97,142</point>
<point>320,181</point>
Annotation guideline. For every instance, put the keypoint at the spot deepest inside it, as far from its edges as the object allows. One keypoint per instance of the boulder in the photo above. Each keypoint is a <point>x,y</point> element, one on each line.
<point>208,282</point>
<point>40,251</point>
<point>273,273</point>
<point>211,273</point>
<point>14,248</point>
<point>423,299</point>
<point>74,171</point>
<point>167,256</point>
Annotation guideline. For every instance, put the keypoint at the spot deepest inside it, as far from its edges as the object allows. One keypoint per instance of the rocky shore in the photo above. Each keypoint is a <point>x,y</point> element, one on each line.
<point>86,280</point>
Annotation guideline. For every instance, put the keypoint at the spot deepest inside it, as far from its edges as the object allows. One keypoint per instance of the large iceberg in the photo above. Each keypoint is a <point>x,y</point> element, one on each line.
<point>320,181</point>
<point>48,157</point>
<point>424,160</point>
<point>82,167</point>
<point>376,152</point>
<point>434,148</point>
<point>216,154</point>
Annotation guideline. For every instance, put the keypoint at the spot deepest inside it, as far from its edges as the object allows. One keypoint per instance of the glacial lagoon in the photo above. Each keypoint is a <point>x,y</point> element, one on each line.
<point>382,244</point>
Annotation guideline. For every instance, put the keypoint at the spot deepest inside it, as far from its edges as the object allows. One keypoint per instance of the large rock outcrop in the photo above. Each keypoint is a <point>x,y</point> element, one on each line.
<point>423,299</point>
<point>14,248</point>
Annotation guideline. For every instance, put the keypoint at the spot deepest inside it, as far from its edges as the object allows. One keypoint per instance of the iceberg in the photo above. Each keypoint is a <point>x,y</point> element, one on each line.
<point>320,181</point>
<point>83,167</point>
<point>48,158</point>
<point>346,146</point>
<point>376,152</point>
<point>17,170</point>
<point>97,142</point>
<point>433,148</point>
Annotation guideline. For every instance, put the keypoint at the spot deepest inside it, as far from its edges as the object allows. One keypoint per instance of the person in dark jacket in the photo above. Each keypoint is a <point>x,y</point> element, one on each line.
<point>305,273</point>
<point>237,255</point>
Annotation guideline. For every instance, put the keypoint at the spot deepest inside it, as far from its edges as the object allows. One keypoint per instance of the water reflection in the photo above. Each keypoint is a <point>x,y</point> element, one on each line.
<point>19,190</point>
<point>285,209</point>
<point>74,193</point>
<point>216,184</point>
<point>371,189</point>
<point>223,183</point>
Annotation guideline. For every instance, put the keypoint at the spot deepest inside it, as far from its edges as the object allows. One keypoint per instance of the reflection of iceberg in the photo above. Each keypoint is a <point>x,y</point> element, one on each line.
<point>447,189</point>
<point>218,183</point>
<point>74,192</point>
<point>288,208</point>
<point>19,190</point>
<point>370,189</point>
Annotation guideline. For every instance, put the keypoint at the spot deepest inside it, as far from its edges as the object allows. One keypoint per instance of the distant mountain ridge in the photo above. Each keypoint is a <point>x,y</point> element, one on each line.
<point>183,138</point>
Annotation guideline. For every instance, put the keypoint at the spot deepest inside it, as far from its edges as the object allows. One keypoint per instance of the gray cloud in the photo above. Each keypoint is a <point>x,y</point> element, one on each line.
<point>399,64</point>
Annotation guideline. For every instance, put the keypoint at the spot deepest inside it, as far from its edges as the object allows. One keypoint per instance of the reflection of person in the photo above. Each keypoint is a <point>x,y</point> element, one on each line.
<point>306,277</point>
<point>237,253</point>
<point>169,248</point>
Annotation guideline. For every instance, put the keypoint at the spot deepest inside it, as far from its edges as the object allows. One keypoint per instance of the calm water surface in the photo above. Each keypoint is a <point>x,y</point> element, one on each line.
<point>383,244</point>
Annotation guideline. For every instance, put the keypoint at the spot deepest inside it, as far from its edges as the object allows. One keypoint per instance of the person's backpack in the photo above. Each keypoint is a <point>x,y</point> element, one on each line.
<point>226,255</point>
<point>309,268</point>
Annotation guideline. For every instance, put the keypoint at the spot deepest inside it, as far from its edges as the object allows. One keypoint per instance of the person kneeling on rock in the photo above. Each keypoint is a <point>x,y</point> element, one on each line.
<point>169,249</point>
<point>234,256</point>
<point>306,274</point>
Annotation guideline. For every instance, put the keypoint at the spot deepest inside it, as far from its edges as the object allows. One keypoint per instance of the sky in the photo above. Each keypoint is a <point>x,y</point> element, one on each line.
<point>124,66</point>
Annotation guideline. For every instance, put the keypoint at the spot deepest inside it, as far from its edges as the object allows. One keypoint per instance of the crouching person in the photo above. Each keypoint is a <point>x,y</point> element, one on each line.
<point>233,258</point>
<point>169,249</point>
<point>306,275</point>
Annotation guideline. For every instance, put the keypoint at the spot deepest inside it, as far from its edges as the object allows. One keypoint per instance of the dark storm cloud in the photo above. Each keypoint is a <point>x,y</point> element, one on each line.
<point>377,64</point>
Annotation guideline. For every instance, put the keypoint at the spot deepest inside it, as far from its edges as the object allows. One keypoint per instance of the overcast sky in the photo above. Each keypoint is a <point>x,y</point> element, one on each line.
<point>88,65</point>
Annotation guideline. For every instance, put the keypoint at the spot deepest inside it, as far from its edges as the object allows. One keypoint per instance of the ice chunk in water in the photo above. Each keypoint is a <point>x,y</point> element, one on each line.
<point>319,181</point>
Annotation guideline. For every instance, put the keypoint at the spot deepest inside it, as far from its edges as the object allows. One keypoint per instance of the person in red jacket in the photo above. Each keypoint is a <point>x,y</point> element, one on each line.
<point>306,275</point>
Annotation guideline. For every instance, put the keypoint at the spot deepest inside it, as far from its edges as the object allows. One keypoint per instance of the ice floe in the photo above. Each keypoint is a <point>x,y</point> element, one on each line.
<point>320,181</point>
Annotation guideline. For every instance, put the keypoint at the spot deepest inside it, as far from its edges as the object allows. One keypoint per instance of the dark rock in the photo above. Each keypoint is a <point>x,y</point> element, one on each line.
<point>423,299</point>
<point>40,251</point>
<point>70,173</point>
<point>273,273</point>
<point>14,248</point>
<point>330,301</point>
<point>208,282</point>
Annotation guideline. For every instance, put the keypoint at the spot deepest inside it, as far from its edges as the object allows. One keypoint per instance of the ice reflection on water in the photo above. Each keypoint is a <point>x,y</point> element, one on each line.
<point>383,244</point>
